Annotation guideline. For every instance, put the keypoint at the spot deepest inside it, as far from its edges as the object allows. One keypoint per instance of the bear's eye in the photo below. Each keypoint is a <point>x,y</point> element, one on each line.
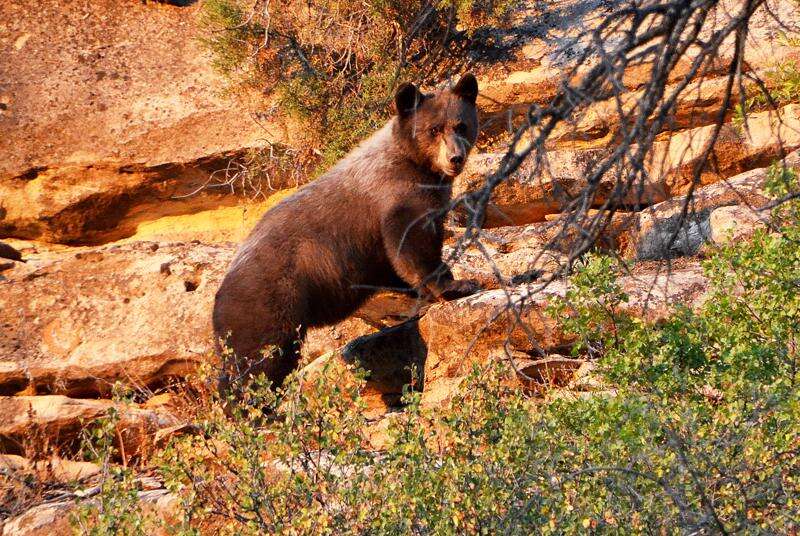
<point>460,129</point>
<point>435,131</point>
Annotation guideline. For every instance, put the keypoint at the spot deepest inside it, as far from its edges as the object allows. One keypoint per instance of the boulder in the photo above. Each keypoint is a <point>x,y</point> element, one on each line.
<point>497,324</point>
<point>133,84</point>
<point>36,423</point>
<point>650,236</point>
<point>75,322</point>
<point>735,223</point>
<point>512,255</point>
<point>541,375</point>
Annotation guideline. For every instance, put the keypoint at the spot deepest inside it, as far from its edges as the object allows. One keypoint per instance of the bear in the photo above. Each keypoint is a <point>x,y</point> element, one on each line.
<point>375,220</point>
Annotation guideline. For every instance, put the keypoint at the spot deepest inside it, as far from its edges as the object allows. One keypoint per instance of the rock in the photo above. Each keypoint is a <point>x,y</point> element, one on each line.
<point>513,255</point>
<point>535,191</point>
<point>390,357</point>
<point>132,114</point>
<point>49,519</point>
<point>652,230</point>
<point>734,223</point>
<point>768,135</point>
<point>546,33</point>
<point>133,84</point>
<point>50,470</point>
<point>586,379</point>
<point>508,255</point>
<point>476,329</point>
<point>138,313</point>
<point>544,374</point>
<point>53,518</point>
<point>118,315</point>
<point>696,105</point>
<point>322,340</point>
<point>35,422</point>
<point>169,401</point>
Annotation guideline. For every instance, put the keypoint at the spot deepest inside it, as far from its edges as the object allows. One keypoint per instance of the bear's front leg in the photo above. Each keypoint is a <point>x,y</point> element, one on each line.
<point>413,240</point>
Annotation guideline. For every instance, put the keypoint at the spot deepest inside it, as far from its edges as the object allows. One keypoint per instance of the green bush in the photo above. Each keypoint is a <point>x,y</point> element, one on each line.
<point>782,84</point>
<point>116,509</point>
<point>330,67</point>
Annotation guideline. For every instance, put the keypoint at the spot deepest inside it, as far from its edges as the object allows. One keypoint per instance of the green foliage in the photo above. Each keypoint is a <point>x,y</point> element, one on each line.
<point>116,508</point>
<point>330,67</point>
<point>783,83</point>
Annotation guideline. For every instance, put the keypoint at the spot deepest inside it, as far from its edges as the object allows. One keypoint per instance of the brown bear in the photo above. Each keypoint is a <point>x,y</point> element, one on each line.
<point>374,220</point>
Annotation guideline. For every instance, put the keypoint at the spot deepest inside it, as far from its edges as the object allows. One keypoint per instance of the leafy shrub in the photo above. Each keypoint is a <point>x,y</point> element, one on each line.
<point>116,508</point>
<point>330,67</point>
<point>783,83</point>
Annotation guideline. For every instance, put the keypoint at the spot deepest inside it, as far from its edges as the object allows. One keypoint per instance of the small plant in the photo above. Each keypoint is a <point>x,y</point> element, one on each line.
<point>116,508</point>
<point>783,83</point>
<point>329,69</point>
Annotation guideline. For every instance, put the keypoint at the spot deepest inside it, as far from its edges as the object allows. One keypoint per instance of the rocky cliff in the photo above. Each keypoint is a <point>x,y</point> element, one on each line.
<point>111,114</point>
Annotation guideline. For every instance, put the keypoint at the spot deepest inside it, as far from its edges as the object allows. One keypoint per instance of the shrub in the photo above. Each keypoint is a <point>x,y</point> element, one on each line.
<point>330,67</point>
<point>783,83</point>
<point>116,508</point>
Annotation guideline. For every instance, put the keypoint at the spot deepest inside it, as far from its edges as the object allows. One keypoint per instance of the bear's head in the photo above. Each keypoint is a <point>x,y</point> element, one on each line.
<point>439,128</point>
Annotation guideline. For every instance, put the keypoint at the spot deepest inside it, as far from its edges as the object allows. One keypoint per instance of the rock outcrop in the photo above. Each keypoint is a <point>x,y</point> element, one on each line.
<point>125,111</point>
<point>504,323</point>
<point>104,137</point>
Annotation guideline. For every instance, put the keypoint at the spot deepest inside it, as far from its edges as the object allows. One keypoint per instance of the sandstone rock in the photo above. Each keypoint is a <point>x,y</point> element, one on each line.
<point>74,322</point>
<point>734,223</point>
<point>322,340</point>
<point>133,84</point>
<point>38,421</point>
<point>50,470</point>
<point>537,190</point>
<point>508,255</point>
<point>126,111</point>
<point>549,47</point>
<point>53,518</point>
<point>767,136</point>
<point>49,519</point>
<point>585,378</point>
<point>650,235</point>
<point>392,358</point>
<point>486,326</point>
<point>697,105</point>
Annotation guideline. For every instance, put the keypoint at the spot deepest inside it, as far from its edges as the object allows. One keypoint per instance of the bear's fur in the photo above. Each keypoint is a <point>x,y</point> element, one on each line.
<point>374,220</point>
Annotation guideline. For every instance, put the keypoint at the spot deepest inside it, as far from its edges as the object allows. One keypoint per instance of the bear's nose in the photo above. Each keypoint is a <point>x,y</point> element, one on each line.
<point>457,159</point>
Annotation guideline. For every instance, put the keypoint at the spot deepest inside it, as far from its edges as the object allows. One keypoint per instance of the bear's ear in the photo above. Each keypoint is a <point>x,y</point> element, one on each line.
<point>467,88</point>
<point>407,99</point>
